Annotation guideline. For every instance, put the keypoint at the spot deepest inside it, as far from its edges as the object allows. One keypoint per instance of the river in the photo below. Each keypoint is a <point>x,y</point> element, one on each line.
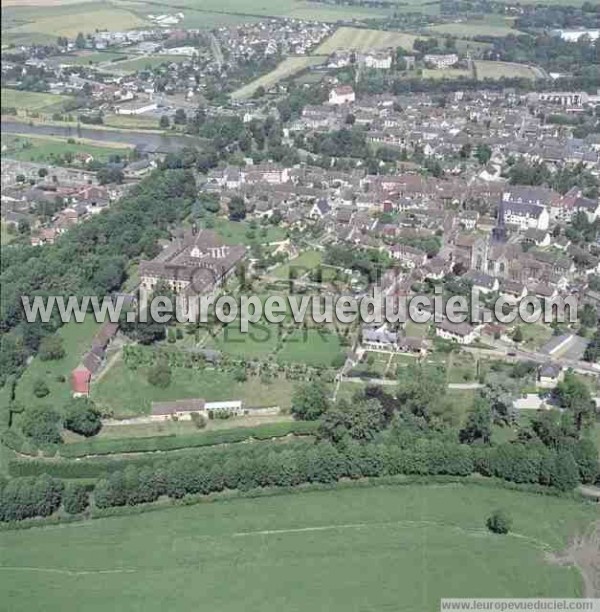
<point>159,143</point>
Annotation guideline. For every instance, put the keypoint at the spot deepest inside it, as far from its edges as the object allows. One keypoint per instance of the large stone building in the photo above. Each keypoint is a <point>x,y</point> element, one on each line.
<point>195,263</point>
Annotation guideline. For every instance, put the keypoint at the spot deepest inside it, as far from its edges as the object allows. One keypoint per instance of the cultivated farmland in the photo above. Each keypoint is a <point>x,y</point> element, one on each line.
<point>400,548</point>
<point>287,68</point>
<point>362,39</point>
<point>72,24</point>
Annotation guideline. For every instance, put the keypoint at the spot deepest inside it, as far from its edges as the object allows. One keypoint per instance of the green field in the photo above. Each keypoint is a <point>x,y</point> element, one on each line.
<point>97,16</point>
<point>259,342</point>
<point>310,346</point>
<point>127,392</point>
<point>89,57</point>
<point>228,12</point>
<point>50,149</point>
<point>304,262</point>
<point>287,68</point>
<point>146,62</point>
<point>77,339</point>
<point>504,70</point>
<point>473,28</point>
<point>362,39</point>
<point>31,101</point>
<point>450,73</point>
<point>240,232</point>
<point>396,548</point>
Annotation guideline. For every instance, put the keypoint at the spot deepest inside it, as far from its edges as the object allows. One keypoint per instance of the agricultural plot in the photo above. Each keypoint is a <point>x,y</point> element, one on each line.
<point>301,549</point>
<point>222,12</point>
<point>473,29</point>
<point>504,70</point>
<point>31,101</point>
<point>71,23</point>
<point>362,39</point>
<point>287,68</point>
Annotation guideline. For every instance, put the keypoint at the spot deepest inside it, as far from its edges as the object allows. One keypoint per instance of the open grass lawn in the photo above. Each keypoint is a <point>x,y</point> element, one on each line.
<point>306,261</point>
<point>287,68</point>
<point>128,392</point>
<point>133,122</point>
<point>77,339</point>
<point>362,39</point>
<point>258,342</point>
<point>90,57</point>
<point>416,330</point>
<point>41,149</point>
<point>30,100</point>
<point>396,548</point>
<point>141,63</point>
<point>311,346</point>
<point>535,335</point>
<point>179,428</point>
<point>451,73</point>
<point>497,70</point>
<point>240,232</point>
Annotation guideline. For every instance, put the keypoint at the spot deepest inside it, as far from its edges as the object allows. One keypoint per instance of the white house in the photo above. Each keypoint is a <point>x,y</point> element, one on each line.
<point>342,95</point>
<point>463,333</point>
<point>441,61</point>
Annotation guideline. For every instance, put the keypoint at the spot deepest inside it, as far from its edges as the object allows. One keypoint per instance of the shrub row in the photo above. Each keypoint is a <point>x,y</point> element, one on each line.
<point>176,442</point>
<point>99,467</point>
<point>272,465</point>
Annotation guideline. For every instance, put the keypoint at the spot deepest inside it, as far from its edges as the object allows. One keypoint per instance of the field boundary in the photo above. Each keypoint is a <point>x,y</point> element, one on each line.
<point>259,492</point>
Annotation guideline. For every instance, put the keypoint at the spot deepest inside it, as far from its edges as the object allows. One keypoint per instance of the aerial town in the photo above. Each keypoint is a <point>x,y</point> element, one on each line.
<point>333,150</point>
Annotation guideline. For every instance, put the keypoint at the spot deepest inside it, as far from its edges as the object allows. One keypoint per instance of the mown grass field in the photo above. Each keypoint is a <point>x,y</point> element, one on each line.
<point>362,39</point>
<point>287,68</point>
<point>310,346</point>
<point>41,149</point>
<point>31,100</point>
<point>128,392</point>
<point>142,63</point>
<point>503,70</point>
<point>89,57</point>
<point>308,260</point>
<point>396,548</point>
<point>240,232</point>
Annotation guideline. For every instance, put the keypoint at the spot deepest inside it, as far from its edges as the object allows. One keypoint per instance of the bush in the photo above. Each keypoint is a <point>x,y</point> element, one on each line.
<point>41,424</point>
<point>40,388</point>
<point>198,420</point>
<point>159,375</point>
<point>82,417</point>
<point>499,522</point>
<point>51,347</point>
<point>75,498</point>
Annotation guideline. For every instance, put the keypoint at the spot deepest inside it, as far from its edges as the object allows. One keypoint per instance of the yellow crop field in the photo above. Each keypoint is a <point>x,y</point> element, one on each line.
<point>362,39</point>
